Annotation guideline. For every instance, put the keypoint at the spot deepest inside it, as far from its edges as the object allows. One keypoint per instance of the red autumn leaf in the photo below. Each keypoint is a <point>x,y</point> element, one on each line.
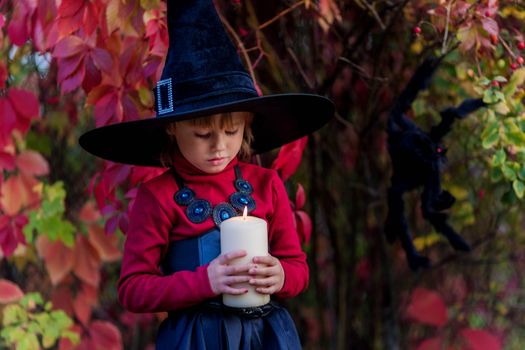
<point>11,195</point>
<point>106,245</point>
<point>3,71</point>
<point>92,76</point>
<point>67,66</point>
<point>11,233</point>
<point>87,262</point>
<point>69,46</point>
<point>102,59</point>
<point>478,339</point>
<point>90,18</point>
<point>70,7</point>
<point>74,81</point>
<point>18,29</point>
<point>62,298</point>
<point>300,197</point>
<point>435,343</point>
<point>105,109</point>
<point>7,161</point>
<point>304,226</point>
<point>105,336</point>
<point>9,292</point>
<point>427,306</point>
<point>58,257</point>
<point>32,163</point>
<point>24,103</point>
<point>289,158</point>
<point>7,120</point>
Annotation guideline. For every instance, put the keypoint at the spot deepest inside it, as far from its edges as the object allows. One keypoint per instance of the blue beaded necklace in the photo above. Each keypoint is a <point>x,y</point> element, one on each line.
<point>198,210</point>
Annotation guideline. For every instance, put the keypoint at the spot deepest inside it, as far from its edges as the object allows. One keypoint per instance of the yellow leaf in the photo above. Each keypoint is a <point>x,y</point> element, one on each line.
<point>423,242</point>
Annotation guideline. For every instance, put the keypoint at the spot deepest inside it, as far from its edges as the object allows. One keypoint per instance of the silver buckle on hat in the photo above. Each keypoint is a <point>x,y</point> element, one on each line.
<point>162,83</point>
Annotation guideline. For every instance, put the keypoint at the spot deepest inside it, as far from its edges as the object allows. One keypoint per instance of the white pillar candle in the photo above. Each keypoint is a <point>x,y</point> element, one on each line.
<point>250,234</point>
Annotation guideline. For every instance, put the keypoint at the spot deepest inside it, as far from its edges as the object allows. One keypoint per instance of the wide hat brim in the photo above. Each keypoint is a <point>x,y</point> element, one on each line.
<point>279,119</point>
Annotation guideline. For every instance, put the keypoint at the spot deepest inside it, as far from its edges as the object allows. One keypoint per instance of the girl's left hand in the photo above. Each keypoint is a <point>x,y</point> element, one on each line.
<point>268,279</point>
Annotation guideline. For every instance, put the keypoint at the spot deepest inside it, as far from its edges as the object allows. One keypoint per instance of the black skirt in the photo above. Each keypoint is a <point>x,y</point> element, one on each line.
<point>212,326</point>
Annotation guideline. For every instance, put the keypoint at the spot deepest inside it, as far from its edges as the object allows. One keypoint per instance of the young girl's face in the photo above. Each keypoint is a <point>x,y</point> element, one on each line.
<point>211,148</point>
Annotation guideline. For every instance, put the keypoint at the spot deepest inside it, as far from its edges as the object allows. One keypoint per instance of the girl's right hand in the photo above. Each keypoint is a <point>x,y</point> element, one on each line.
<point>222,276</point>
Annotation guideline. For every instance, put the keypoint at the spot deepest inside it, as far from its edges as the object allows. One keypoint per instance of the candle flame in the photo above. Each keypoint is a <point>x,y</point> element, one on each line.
<point>245,212</point>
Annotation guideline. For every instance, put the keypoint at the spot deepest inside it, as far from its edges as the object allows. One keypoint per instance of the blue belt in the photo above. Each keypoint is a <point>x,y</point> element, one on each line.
<point>188,254</point>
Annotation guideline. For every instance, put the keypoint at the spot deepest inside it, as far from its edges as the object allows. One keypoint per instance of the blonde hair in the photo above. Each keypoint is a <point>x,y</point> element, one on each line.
<point>223,120</point>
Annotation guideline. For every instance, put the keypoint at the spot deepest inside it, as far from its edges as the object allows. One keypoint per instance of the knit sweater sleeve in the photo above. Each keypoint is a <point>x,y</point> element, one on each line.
<point>142,287</point>
<point>284,242</point>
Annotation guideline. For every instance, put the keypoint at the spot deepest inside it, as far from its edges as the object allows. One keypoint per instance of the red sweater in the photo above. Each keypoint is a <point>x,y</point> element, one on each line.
<point>156,220</point>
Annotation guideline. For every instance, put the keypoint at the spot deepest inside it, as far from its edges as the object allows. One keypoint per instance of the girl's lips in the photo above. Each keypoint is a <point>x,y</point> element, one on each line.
<point>216,161</point>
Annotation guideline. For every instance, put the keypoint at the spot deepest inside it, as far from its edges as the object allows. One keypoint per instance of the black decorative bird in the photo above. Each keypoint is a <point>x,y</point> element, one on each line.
<point>417,160</point>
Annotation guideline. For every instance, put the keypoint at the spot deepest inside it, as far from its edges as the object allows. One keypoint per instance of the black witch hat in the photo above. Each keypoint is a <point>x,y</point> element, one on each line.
<point>203,76</point>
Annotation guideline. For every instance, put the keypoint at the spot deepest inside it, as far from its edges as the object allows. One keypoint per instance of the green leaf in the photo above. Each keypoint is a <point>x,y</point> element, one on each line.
<point>501,108</point>
<point>516,138</point>
<point>498,158</point>
<point>489,97</point>
<point>508,172</point>
<point>521,172</point>
<point>30,342</point>
<point>496,175</point>
<point>49,218</point>
<point>519,188</point>
<point>490,135</point>
<point>484,81</point>
<point>516,80</point>
<point>500,79</point>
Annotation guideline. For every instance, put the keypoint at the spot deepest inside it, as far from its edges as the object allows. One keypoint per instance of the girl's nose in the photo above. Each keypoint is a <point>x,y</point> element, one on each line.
<point>219,141</point>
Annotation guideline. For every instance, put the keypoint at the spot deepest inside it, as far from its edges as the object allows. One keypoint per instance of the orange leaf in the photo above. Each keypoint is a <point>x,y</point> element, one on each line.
<point>89,213</point>
<point>86,262</point>
<point>58,257</point>
<point>83,306</point>
<point>106,245</point>
<point>105,336</point>
<point>11,195</point>
<point>427,306</point>
<point>9,292</point>
<point>32,163</point>
<point>478,339</point>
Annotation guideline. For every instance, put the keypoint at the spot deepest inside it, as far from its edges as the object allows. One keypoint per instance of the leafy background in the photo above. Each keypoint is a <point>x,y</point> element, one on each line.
<point>67,66</point>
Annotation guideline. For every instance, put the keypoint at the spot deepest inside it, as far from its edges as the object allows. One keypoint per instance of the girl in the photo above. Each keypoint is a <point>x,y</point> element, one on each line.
<point>208,115</point>
<point>205,159</point>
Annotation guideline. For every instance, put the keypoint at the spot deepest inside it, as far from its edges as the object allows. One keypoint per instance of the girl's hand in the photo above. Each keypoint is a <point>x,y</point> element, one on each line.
<point>268,279</point>
<point>222,276</point>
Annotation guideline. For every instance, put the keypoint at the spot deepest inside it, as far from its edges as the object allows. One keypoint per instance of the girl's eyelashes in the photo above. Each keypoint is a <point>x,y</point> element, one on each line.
<point>208,134</point>
<point>203,136</point>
